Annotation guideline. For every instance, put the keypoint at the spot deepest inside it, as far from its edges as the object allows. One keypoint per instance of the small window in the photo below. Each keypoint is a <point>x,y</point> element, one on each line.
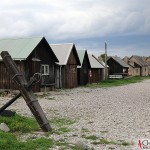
<point>45,69</point>
<point>124,70</point>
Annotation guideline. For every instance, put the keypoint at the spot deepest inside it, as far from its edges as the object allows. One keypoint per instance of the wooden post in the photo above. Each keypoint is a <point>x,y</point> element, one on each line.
<point>26,92</point>
<point>106,61</point>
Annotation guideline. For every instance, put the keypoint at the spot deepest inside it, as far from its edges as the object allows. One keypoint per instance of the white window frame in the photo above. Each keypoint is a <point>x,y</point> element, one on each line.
<point>46,69</point>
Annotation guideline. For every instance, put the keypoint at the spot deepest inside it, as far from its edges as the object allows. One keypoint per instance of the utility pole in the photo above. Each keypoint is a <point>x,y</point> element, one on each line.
<point>105,60</point>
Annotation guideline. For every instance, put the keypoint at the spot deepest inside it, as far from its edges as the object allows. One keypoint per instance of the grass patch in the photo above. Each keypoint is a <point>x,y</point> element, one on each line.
<point>107,142</point>
<point>116,82</point>
<point>85,130</point>
<point>125,143</point>
<point>62,121</point>
<point>61,130</point>
<point>103,132</point>
<point>18,123</point>
<point>61,125</point>
<point>1,94</point>
<point>50,98</point>
<point>91,137</point>
<point>9,142</point>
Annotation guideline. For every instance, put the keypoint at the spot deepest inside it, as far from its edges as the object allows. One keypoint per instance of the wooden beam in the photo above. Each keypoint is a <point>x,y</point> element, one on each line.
<point>26,92</point>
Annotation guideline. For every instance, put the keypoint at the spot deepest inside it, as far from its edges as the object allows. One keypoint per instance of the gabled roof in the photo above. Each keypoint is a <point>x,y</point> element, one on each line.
<point>62,51</point>
<point>139,60</point>
<point>101,61</point>
<point>19,48</point>
<point>82,54</point>
<point>94,62</point>
<point>103,64</point>
<point>119,61</point>
<point>132,65</point>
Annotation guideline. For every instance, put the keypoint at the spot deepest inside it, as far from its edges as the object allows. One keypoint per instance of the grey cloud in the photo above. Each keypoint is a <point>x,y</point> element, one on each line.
<point>76,19</point>
<point>79,18</point>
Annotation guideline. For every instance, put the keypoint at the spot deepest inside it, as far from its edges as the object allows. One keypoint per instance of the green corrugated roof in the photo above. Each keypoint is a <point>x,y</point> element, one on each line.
<point>81,54</point>
<point>19,48</point>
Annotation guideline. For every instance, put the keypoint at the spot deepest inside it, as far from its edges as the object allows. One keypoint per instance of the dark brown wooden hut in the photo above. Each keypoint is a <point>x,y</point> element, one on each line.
<point>117,66</point>
<point>83,69</point>
<point>31,55</point>
<point>66,69</point>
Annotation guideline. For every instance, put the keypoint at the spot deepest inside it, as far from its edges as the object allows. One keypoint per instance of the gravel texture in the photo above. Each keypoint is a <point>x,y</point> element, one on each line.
<point>116,114</point>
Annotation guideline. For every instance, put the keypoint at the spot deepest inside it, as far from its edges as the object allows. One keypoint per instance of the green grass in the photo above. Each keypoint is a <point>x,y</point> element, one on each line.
<point>20,123</point>
<point>61,130</point>
<point>1,93</point>
<point>91,137</point>
<point>62,121</point>
<point>8,141</point>
<point>103,132</point>
<point>61,125</point>
<point>107,142</point>
<point>85,130</point>
<point>118,82</point>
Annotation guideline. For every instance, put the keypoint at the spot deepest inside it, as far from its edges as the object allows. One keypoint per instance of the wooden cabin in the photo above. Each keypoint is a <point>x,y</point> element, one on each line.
<point>31,55</point>
<point>96,73</point>
<point>117,66</point>
<point>66,69</point>
<point>83,69</point>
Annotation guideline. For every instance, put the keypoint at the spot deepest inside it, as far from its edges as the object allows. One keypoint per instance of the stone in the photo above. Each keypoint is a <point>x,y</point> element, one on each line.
<point>81,145</point>
<point>4,127</point>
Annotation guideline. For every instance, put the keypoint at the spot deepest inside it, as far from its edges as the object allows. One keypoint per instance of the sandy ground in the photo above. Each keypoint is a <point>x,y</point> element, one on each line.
<point>116,114</point>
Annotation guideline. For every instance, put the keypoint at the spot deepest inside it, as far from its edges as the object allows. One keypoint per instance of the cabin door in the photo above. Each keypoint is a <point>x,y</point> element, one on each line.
<point>58,77</point>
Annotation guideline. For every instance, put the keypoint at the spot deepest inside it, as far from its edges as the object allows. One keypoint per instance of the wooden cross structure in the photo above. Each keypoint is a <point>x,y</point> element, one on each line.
<point>25,91</point>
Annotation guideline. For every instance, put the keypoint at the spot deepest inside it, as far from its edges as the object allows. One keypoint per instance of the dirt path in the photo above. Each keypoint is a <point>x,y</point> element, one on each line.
<point>115,114</point>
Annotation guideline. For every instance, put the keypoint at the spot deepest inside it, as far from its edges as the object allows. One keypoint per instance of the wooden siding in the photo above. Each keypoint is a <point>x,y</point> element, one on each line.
<point>114,67</point>
<point>69,72</point>
<point>82,76</point>
<point>6,81</point>
<point>29,67</point>
<point>70,76</point>
<point>97,75</point>
<point>58,79</point>
<point>72,58</point>
<point>83,72</point>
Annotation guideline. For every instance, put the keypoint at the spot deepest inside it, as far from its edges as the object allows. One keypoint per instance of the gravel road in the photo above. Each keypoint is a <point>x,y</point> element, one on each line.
<point>116,114</point>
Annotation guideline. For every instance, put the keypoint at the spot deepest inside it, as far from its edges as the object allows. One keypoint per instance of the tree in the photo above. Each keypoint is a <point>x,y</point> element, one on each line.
<point>102,57</point>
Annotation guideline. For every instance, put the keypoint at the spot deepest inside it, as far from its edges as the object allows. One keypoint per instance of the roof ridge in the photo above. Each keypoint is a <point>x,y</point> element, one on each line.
<point>22,38</point>
<point>63,44</point>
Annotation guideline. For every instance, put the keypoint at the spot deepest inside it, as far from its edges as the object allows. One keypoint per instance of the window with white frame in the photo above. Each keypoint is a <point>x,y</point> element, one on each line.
<point>45,69</point>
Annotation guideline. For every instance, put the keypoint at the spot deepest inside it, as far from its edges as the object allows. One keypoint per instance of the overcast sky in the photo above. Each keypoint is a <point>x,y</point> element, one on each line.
<point>123,24</point>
